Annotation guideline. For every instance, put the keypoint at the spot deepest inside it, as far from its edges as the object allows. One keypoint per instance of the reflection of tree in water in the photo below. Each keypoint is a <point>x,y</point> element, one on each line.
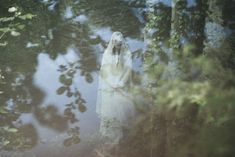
<point>17,99</point>
<point>24,137</point>
<point>18,88</point>
<point>50,31</point>
<point>113,13</point>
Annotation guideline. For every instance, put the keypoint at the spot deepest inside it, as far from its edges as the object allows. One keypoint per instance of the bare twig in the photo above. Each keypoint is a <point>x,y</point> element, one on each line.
<point>2,35</point>
<point>99,153</point>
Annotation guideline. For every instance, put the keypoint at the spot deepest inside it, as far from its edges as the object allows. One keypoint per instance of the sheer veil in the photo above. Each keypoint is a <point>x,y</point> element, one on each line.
<point>113,105</point>
<point>106,64</point>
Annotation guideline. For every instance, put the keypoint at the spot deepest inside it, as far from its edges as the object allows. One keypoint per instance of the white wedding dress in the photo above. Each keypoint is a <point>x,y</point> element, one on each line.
<point>114,103</point>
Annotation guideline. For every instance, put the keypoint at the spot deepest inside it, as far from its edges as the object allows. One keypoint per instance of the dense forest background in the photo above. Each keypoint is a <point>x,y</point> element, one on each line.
<point>190,81</point>
<point>184,92</point>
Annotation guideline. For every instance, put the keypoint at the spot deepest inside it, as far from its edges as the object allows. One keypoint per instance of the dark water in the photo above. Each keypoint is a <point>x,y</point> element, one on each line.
<point>61,47</point>
<point>51,70</point>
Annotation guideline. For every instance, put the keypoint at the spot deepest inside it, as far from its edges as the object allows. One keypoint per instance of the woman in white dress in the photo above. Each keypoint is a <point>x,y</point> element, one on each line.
<point>114,105</point>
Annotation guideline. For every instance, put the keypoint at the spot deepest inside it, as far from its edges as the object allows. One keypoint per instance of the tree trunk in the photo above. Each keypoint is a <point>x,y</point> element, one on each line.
<point>198,24</point>
<point>214,30</point>
<point>179,22</point>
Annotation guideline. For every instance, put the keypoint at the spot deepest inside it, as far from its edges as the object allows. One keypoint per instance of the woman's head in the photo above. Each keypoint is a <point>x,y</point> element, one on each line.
<point>117,40</point>
<point>117,44</point>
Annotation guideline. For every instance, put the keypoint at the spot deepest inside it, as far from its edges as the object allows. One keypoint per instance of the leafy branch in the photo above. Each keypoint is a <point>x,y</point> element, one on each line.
<point>13,23</point>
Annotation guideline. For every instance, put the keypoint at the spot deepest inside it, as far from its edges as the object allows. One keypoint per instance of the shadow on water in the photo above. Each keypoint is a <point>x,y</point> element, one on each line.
<point>48,93</point>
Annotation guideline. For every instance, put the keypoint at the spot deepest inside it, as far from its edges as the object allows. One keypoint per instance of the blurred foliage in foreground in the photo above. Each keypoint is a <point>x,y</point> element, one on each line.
<point>192,114</point>
<point>189,107</point>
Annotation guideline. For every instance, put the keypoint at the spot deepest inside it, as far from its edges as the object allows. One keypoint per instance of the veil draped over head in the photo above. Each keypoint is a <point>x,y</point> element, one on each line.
<point>114,105</point>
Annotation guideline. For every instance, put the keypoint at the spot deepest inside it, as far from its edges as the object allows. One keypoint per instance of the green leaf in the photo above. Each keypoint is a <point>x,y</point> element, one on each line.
<point>77,94</point>
<point>13,130</point>
<point>21,26</point>
<point>6,142</point>
<point>68,82</point>
<point>6,19</point>
<point>82,108</point>
<point>6,29</point>
<point>3,44</point>
<point>12,9</point>
<point>72,140</point>
<point>89,78</point>
<point>71,73</point>
<point>95,41</point>
<point>69,94</point>
<point>27,16</point>
<point>3,110</point>
<point>61,90</point>
<point>64,80</point>
<point>14,33</point>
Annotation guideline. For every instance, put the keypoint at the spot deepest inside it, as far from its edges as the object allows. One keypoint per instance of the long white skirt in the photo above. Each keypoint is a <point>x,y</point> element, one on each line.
<point>116,107</point>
